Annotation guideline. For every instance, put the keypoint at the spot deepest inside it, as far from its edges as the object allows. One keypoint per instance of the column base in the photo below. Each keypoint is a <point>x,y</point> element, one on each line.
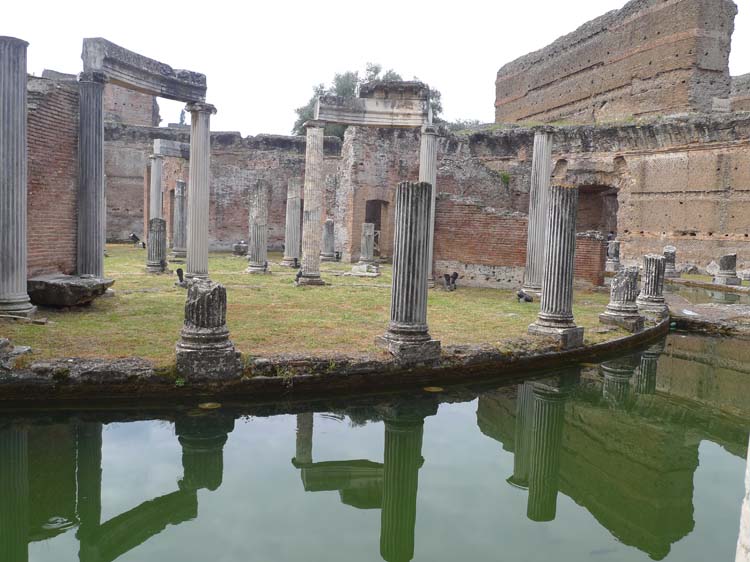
<point>729,280</point>
<point>533,289</point>
<point>157,269</point>
<point>410,349</point>
<point>202,364</point>
<point>257,270</point>
<point>327,257</point>
<point>312,280</point>
<point>653,311</point>
<point>631,323</point>
<point>365,270</point>
<point>290,262</point>
<point>22,308</point>
<point>611,266</point>
<point>191,276</point>
<point>567,337</point>
<point>177,256</point>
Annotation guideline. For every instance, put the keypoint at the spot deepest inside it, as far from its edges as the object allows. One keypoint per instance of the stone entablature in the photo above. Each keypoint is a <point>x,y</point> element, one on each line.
<point>650,57</point>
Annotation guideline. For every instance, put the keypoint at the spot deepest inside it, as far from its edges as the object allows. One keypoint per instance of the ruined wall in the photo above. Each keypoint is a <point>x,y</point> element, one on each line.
<point>130,107</point>
<point>740,97</point>
<point>52,175</point>
<point>236,163</point>
<point>487,246</point>
<point>650,57</point>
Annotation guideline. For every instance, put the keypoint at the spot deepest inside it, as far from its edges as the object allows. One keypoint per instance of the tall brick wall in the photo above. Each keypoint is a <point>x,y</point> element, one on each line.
<point>650,57</point>
<point>487,246</point>
<point>52,175</point>
<point>130,107</point>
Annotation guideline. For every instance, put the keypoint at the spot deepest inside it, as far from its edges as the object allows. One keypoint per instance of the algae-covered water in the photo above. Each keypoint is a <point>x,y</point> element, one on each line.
<point>635,459</point>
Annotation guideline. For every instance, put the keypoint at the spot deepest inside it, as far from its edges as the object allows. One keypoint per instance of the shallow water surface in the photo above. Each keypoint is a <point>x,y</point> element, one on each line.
<point>699,295</point>
<point>635,459</point>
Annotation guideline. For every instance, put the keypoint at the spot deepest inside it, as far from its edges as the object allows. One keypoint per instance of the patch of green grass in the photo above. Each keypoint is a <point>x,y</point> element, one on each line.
<point>268,315</point>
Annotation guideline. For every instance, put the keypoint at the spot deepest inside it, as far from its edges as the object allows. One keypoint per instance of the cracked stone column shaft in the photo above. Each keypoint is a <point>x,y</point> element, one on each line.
<point>313,212</point>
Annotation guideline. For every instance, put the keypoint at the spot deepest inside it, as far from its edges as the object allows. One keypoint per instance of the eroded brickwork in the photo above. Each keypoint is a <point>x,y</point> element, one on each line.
<point>53,175</point>
<point>650,57</point>
<point>130,107</point>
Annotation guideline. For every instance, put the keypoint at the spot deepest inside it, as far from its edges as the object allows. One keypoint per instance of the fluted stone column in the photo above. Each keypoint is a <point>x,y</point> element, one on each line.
<point>91,200</point>
<point>743,540</point>
<point>157,246</point>
<point>14,299</point>
<point>156,205</point>
<point>541,171</point>
<point>408,337</point>
<point>428,174</point>
<point>179,234</point>
<point>202,439</point>
<point>367,266</point>
<point>618,375</point>
<point>555,318</point>
<point>402,460</point>
<point>257,246</point>
<point>727,271</point>
<point>622,309</point>
<point>651,301</point>
<point>89,488</point>
<point>670,262</point>
<point>293,230</point>
<point>613,264</point>
<point>312,217</point>
<point>199,189</point>
<point>546,442</point>
<point>14,490</point>
<point>204,350</point>
<point>645,381</point>
<point>523,434</point>
<point>328,252</point>
<point>303,454</point>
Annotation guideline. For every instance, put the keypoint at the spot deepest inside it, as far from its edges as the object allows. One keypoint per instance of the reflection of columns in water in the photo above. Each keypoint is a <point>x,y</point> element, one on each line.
<point>304,438</point>
<point>645,382</point>
<point>743,541</point>
<point>202,439</point>
<point>524,419</point>
<point>89,485</point>
<point>546,441</point>
<point>14,495</point>
<point>617,377</point>
<point>402,460</point>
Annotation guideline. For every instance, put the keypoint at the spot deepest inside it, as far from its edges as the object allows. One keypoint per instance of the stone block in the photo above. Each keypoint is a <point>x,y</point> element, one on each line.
<point>566,338</point>
<point>58,290</point>
<point>632,324</point>
<point>408,351</point>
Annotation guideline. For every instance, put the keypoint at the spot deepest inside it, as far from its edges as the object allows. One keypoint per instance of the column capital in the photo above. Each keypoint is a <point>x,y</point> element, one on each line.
<point>97,77</point>
<point>13,41</point>
<point>429,129</point>
<point>314,124</point>
<point>156,157</point>
<point>200,107</point>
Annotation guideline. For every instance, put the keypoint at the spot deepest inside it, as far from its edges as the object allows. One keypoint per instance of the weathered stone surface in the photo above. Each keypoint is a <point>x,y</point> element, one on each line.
<point>204,350</point>
<point>649,57</point>
<point>367,266</point>
<point>312,215</point>
<point>740,95</point>
<point>293,224</point>
<point>727,274</point>
<point>157,246</point>
<point>179,231</point>
<point>257,248</point>
<point>651,301</point>
<point>140,73</point>
<point>240,248</point>
<point>9,354</point>
<point>613,256</point>
<point>622,309</point>
<point>58,290</point>
<point>670,263</point>
<point>328,251</point>
<point>541,169</point>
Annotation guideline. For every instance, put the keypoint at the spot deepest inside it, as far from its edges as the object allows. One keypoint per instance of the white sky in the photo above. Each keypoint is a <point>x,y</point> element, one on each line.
<point>262,58</point>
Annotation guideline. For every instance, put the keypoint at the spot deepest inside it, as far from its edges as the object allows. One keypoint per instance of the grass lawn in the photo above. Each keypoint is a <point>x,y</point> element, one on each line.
<point>268,315</point>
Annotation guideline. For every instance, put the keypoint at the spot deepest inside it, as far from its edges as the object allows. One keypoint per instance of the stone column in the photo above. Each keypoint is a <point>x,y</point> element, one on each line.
<point>328,252</point>
<point>617,377</point>
<point>198,189</point>
<point>91,202</point>
<point>402,459</point>
<point>727,271</point>
<point>613,264</point>
<point>312,216</point>
<point>428,174</point>
<point>522,440</point>
<point>622,309</point>
<point>293,230</point>
<point>257,246</point>
<point>555,318</point>
<point>204,350</point>
<point>179,235</point>
<point>202,439</point>
<point>303,455</point>
<point>156,205</point>
<point>541,171</point>
<point>367,266</point>
<point>645,382</point>
<point>546,442</point>
<point>670,262</point>
<point>408,337</point>
<point>89,488</point>
<point>743,540</point>
<point>157,246</point>
<point>14,299</point>
<point>14,487</point>
<point>651,299</point>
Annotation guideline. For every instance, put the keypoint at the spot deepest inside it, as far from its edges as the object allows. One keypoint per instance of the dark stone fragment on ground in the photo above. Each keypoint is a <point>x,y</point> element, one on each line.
<point>66,290</point>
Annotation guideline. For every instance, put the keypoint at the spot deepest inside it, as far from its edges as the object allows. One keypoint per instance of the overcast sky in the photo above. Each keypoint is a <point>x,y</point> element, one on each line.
<point>262,58</point>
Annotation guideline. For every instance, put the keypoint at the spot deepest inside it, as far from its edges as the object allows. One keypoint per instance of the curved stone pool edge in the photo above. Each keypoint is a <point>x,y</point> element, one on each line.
<point>122,380</point>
